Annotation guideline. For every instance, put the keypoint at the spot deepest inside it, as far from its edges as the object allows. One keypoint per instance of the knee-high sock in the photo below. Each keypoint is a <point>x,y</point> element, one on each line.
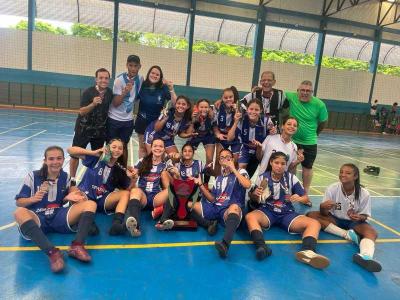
<point>309,243</point>
<point>85,221</point>
<point>231,224</point>
<point>200,220</point>
<point>134,209</point>
<point>32,231</point>
<point>258,238</point>
<point>367,247</point>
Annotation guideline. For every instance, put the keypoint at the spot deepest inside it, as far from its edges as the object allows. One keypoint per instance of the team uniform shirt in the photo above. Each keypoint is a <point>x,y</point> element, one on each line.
<point>274,143</point>
<point>195,169</point>
<point>278,201</point>
<point>227,190</point>
<point>150,183</point>
<point>97,181</point>
<point>124,112</point>
<point>224,121</point>
<point>249,133</point>
<point>171,128</point>
<point>345,203</point>
<point>52,199</point>
<point>151,101</point>
<point>204,128</point>
<point>53,217</point>
<point>309,115</point>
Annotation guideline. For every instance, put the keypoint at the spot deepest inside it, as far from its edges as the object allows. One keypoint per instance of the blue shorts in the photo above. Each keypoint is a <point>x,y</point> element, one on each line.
<point>283,220</point>
<point>150,134</point>
<point>208,139</point>
<point>347,224</point>
<point>119,129</point>
<point>101,205</point>
<point>54,221</point>
<point>211,211</point>
<point>246,154</point>
<point>234,146</point>
<point>150,199</point>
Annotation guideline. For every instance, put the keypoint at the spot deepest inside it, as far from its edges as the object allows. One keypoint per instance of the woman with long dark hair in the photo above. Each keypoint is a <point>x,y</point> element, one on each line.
<point>153,95</point>
<point>151,190</point>
<point>173,121</point>
<point>103,177</point>
<point>344,211</point>
<point>276,191</point>
<point>40,209</point>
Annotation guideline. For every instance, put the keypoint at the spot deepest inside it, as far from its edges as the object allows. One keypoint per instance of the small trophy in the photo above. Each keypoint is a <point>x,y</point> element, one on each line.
<point>265,190</point>
<point>106,155</point>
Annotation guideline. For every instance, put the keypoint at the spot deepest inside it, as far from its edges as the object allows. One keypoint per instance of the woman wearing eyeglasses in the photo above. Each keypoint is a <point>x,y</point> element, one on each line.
<point>225,202</point>
<point>344,211</point>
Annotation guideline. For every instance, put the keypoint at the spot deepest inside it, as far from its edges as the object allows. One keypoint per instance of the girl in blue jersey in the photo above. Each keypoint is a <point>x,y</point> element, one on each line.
<point>253,129</point>
<point>224,120</point>
<point>275,193</point>
<point>151,190</point>
<point>203,122</point>
<point>101,179</point>
<point>225,202</point>
<point>187,168</point>
<point>153,95</point>
<point>172,122</point>
<point>40,209</point>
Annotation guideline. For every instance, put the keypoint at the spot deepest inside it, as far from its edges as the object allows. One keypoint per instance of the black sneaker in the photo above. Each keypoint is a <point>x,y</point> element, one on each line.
<point>222,249</point>
<point>212,228</point>
<point>263,252</point>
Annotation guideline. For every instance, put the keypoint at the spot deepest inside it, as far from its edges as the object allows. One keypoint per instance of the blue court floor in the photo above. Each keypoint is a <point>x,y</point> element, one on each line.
<point>185,265</point>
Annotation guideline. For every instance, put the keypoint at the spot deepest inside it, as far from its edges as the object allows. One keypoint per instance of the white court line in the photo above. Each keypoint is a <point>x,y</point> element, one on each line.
<point>21,141</point>
<point>336,176</point>
<point>12,129</point>
<point>364,162</point>
<point>8,225</point>
<point>39,118</point>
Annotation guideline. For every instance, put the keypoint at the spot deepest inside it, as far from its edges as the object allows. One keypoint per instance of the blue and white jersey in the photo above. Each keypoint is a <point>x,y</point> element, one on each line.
<point>258,132</point>
<point>281,191</point>
<point>52,199</point>
<point>227,190</point>
<point>97,181</point>
<point>124,111</point>
<point>151,182</point>
<point>171,128</point>
<point>203,126</point>
<point>223,119</point>
<point>193,170</point>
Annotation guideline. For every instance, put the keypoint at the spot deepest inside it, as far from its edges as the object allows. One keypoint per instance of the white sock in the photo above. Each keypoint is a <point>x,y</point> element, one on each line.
<point>333,229</point>
<point>367,247</point>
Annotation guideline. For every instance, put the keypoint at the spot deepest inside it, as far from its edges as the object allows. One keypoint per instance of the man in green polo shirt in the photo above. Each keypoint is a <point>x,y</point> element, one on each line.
<point>312,116</point>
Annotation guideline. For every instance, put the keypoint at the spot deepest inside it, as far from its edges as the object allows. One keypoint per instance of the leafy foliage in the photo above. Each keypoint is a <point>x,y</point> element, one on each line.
<point>178,43</point>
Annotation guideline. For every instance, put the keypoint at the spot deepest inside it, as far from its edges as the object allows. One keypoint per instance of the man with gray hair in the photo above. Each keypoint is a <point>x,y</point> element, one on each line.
<point>312,117</point>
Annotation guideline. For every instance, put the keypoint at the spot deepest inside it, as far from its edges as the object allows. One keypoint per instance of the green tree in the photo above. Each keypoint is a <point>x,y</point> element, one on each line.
<point>41,26</point>
<point>91,31</point>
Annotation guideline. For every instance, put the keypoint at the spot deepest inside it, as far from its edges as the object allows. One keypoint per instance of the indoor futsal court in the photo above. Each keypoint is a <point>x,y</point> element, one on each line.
<point>184,265</point>
<point>346,53</point>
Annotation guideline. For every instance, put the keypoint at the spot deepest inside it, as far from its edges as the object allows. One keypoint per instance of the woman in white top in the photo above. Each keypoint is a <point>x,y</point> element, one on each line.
<point>281,143</point>
<point>344,211</point>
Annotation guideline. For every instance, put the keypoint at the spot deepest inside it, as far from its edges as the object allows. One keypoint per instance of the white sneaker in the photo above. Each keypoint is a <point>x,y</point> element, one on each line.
<point>313,259</point>
<point>166,225</point>
<point>132,226</point>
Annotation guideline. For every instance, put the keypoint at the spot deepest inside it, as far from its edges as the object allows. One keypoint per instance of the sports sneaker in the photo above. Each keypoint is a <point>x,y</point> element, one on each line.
<point>263,252</point>
<point>367,262</point>
<point>157,212</point>
<point>353,236</point>
<point>132,226</point>
<point>221,248</point>
<point>56,260</point>
<point>313,259</point>
<point>166,225</point>
<point>78,251</point>
<point>212,228</point>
